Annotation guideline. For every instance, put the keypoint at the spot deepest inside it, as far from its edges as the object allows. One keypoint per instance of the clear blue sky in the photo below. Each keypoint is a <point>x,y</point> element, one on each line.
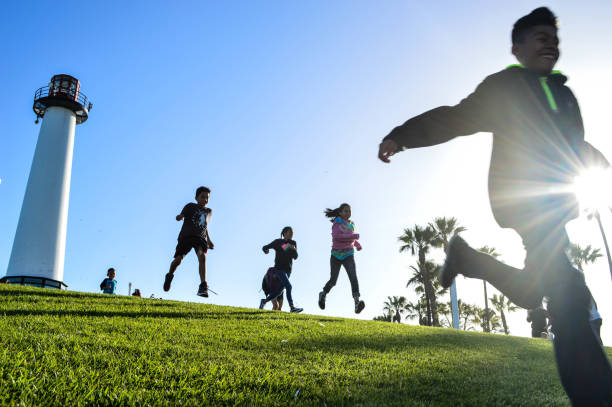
<point>278,107</point>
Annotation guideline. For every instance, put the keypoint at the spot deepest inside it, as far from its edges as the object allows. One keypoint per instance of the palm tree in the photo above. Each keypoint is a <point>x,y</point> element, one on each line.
<point>384,317</point>
<point>466,312</point>
<point>580,257</point>
<point>446,228</point>
<point>500,304</point>
<point>420,276</point>
<point>417,310</point>
<point>419,240</point>
<point>595,214</point>
<point>486,319</point>
<point>395,306</point>
<point>491,252</point>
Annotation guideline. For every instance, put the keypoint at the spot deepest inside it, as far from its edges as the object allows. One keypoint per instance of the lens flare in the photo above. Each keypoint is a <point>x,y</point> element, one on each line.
<point>593,188</point>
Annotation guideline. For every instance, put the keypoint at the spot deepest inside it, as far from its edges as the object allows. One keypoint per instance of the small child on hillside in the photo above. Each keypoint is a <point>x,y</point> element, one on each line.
<point>194,234</point>
<point>344,240</point>
<point>109,284</point>
<point>286,252</point>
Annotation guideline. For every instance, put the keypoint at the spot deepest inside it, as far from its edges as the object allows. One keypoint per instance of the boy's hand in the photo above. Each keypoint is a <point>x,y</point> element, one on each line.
<point>266,251</point>
<point>211,246</point>
<point>387,149</point>
<point>180,216</point>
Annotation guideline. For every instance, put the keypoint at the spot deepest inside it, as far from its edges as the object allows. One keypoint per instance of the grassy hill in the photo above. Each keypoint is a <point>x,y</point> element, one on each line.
<point>70,348</point>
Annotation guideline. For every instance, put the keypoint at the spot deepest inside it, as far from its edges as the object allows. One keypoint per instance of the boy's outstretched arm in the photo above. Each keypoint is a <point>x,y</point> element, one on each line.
<point>473,114</point>
<point>180,216</point>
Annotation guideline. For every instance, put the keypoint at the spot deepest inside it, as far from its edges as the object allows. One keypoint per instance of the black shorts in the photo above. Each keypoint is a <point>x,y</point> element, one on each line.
<point>186,244</point>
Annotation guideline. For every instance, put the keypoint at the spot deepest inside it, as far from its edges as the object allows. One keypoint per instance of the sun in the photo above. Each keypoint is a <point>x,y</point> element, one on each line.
<point>593,188</point>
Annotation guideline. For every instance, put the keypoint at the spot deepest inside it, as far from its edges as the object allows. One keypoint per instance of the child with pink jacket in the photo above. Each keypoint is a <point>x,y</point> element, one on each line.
<point>344,243</point>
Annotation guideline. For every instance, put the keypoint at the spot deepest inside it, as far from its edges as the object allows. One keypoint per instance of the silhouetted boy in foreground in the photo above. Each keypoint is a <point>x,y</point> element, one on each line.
<point>538,148</point>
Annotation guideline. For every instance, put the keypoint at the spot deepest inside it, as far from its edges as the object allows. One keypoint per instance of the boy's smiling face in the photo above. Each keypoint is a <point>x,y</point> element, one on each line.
<point>203,198</point>
<point>539,49</point>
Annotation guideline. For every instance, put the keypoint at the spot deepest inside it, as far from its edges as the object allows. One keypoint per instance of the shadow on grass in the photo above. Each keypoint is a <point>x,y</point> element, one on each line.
<point>250,315</point>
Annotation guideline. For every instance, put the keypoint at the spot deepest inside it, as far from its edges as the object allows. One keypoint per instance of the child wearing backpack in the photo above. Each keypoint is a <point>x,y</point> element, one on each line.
<point>344,241</point>
<point>269,284</point>
<point>286,252</point>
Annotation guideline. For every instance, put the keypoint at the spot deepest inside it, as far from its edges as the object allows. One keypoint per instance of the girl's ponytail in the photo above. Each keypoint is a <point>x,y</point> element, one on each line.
<point>334,213</point>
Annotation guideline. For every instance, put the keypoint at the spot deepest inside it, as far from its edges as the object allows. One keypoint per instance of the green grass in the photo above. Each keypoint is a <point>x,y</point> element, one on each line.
<point>69,348</point>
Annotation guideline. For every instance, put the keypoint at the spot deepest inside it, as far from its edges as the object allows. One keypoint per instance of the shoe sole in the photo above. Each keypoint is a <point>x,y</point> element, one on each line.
<point>321,304</point>
<point>202,295</point>
<point>360,307</point>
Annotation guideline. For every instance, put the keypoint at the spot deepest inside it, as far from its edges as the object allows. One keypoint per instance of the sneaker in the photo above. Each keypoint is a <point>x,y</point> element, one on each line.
<point>168,281</point>
<point>296,309</point>
<point>203,290</point>
<point>262,303</point>
<point>450,269</point>
<point>359,306</point>
<point>322,300</point>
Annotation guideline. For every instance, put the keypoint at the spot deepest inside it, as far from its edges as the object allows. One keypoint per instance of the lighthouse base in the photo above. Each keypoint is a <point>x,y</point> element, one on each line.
<point>34,282</point>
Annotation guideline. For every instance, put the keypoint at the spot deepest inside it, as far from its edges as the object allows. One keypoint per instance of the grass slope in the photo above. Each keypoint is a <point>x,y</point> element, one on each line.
<point>69,348</point>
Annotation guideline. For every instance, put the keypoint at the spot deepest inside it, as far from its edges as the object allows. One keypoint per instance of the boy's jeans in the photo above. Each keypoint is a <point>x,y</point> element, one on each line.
<point>582,364</point>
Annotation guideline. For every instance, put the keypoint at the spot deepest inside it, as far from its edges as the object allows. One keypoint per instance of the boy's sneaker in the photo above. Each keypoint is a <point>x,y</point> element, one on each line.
<point>296,309</point>
<point>359,306</point>
<point>262,303</point>
<point>168,281</point>
<point>203,290</point>
<point>450,269</point>
<point>322,300</point>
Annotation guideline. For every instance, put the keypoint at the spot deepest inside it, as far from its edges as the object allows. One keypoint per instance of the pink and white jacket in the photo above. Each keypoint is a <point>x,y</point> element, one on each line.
<point>343,236</point>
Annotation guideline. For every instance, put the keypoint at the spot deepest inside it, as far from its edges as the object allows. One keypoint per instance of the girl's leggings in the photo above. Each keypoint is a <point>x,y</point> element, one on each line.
<point>351,270</point>
<point>284,285</point>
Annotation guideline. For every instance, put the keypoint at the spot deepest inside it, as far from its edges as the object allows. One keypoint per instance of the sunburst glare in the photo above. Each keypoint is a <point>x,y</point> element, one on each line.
<point>592,188</point>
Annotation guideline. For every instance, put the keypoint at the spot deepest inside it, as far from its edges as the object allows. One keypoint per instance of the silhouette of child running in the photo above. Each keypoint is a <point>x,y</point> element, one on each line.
<point>538,148</point>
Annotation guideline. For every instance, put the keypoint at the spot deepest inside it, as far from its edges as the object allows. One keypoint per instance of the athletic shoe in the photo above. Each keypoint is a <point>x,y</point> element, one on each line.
<point>359,306</point>
<point>203,290</point>
<point>168,281</point>
<point>450,269</point>
<point>262,303</point>
<point>322,300</point>
<point>296,309</point>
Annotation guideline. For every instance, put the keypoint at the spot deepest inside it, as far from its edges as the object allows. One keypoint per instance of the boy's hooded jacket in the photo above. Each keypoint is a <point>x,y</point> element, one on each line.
<point>537,138</point>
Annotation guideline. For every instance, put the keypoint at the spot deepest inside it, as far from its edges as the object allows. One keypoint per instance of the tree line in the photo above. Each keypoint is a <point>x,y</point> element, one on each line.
<point>429,309</point>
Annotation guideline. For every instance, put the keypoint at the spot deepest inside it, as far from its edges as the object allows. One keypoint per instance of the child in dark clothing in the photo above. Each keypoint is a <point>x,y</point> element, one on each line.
<point>538,148</point>
<point>539,322</point>
<point>286,252</point>
<point>109,284</point>
<point>194,234</point>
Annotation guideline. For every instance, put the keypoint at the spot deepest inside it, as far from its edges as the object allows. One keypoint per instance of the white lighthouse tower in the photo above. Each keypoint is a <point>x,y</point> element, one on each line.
<point>38,251</point>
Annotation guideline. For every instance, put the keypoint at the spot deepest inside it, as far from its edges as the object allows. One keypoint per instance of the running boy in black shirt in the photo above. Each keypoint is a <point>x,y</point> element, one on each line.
<point>538,148</point>
<point>194,234</point>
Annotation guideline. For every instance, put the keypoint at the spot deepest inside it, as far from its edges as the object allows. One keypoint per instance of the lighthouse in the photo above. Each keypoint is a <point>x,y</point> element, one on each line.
<point>39,247</point>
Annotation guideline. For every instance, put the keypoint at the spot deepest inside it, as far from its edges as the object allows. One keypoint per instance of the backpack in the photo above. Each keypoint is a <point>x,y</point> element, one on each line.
<point>270,281</point>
